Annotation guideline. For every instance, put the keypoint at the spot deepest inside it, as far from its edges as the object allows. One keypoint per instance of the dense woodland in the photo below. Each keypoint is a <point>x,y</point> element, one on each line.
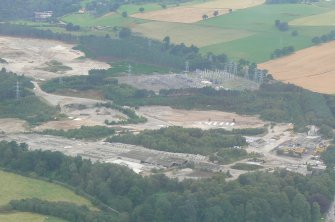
<point>182,140</point>
<point>328,156</point>
<point>29,32</point>
<point>84,132</point>
<point>220,145</point>
<point>280,196</point>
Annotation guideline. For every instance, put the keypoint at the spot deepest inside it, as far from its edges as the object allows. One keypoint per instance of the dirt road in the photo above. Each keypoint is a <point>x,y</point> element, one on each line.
<point>55,100</point>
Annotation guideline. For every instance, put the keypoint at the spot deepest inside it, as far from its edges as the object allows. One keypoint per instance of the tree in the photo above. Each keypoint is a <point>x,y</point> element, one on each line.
<point>124,33</point>
<point>204,17</point>
<point>316,40</point>
<point>300,207</point>
<point>71,27</point>
<point>124,14</point>
<point>216,13</point>
<point>282,26</point>
<point>326,131</point>
<point>316,215</point>
<point>295,33</point>
<point>141,9</point>
<point>328,157</point>
<point>166,41</point>
<point>324,38</point>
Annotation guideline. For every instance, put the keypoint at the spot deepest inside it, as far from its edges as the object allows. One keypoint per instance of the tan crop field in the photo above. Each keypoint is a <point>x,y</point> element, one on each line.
<point>230,4</point>
<point>194,13</point>
<point>312,68</point>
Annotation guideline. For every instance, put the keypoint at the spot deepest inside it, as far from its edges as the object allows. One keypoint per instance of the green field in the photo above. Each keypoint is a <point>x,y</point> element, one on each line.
<point>258,48</point>
<point>14,187</point>
<point>27,217</point>
<point>132,9</point>
<point>260,20</point>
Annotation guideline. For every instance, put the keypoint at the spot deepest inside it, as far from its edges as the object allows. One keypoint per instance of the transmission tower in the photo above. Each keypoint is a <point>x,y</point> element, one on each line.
<point>17,90</point>
<point>246,72</point>
<point>210,58</point>
<point>187,67</point>
<point>256,75</point>
<point>234,68</point>
<point>129,71</point>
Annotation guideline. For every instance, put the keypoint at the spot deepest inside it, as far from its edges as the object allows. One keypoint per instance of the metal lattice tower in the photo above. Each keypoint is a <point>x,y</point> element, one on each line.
<point>187,67</point>
<point>17,90</point>
<point>234,68</point>
<point>210,58</point>
<point>260,76</point>
<point>129,71</point>
<point>246,72</point>
<point>255,74</point>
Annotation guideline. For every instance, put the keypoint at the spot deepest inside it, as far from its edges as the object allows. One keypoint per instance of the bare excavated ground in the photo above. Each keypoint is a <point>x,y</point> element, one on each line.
<point>13,125</point>
<point>163,116</point>
<point>31,56</point>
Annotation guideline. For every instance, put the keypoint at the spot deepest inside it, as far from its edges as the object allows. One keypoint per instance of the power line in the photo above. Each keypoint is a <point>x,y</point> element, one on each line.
<point>129,71</point>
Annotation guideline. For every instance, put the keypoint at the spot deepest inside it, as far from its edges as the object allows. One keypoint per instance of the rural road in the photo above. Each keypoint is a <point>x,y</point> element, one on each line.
<point>62,100</point>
